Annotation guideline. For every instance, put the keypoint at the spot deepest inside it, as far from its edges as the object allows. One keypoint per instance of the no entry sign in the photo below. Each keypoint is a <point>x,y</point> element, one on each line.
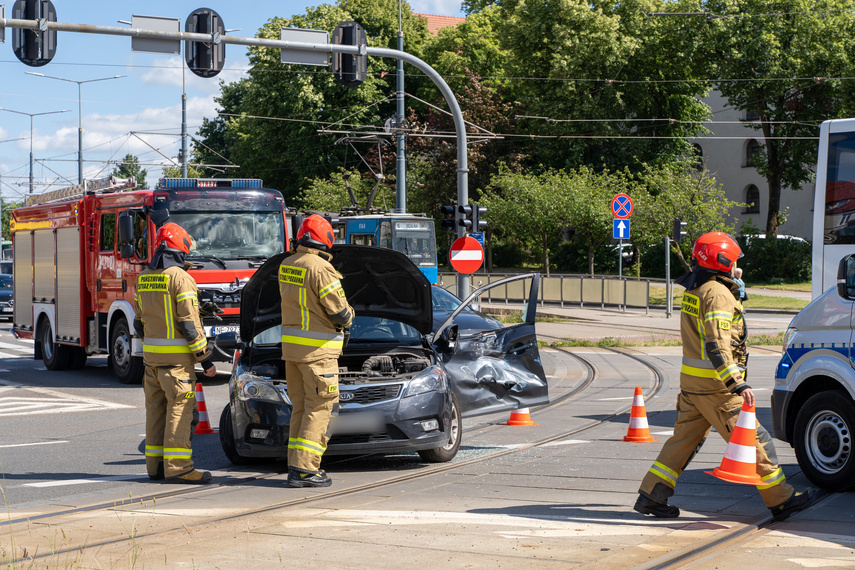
<point>466,255</point>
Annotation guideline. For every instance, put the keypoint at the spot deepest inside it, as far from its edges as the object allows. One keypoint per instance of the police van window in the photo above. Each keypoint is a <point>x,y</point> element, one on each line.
<point>840,190</point>
<point>108,232</point>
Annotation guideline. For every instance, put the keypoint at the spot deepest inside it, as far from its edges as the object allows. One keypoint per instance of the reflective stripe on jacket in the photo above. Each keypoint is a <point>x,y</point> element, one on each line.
<point>166,302</point>
<point>314,307</point>
<point>713,334</point>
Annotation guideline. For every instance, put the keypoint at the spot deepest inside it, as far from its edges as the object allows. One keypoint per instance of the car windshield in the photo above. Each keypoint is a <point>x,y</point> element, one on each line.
<point>5,282</point>
<point>442,300</point>
<point>233,235</point>
<point>363,329</point>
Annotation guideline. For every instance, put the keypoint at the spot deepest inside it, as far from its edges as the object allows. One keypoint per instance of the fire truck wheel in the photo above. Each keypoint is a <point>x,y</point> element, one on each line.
<point>55,356</point>
<point>128,369</point>
<point>77,359</point>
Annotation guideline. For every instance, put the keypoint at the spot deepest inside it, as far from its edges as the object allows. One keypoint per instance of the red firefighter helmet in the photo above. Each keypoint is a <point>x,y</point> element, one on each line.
<point>716,250</point>
<point>318,229</point>
<point>173,236</point>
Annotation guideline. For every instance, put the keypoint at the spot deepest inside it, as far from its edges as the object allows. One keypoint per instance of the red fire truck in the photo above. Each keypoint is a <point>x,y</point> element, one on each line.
<point>74,279</point>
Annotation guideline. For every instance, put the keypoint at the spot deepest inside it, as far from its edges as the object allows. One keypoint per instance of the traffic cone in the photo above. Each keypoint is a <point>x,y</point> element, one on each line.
<point>520,417</point>
<point>204,425</point>
<point>739,464</point>
<point>639,431</point>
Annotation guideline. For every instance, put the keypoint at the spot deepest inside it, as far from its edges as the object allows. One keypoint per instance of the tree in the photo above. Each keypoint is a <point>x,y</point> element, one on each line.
<point>215,142</point>
<point>589,198</point>
<point>663,193</point>
<point>331,194</point>
<point>130,166</point>
<point>785,61</point>
<point>175,172</point>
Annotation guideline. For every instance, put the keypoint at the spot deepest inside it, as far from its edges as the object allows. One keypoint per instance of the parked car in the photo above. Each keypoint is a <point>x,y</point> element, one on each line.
<point>6,302</point>
<point>404,384</point>
<point>469,320</point>
<point>813,402</point>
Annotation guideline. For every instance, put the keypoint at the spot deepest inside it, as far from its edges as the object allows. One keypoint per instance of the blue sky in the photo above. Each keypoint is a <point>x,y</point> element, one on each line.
<point>147,100</point>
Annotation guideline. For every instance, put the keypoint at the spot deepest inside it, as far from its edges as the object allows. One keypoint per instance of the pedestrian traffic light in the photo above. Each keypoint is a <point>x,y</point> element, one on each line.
<point>205,59</point>
<point>350,69</point>
<point>679,232</point>
<point>35,48</point>
<point>448,217</point>
<point>471,219</point>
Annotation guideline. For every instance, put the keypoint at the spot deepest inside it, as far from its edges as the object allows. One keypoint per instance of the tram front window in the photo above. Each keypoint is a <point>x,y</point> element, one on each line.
<point>416,241</point>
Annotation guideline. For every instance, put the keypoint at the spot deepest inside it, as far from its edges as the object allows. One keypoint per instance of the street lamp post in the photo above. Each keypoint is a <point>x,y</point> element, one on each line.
<point>31,115</point>
<point>79,113</point>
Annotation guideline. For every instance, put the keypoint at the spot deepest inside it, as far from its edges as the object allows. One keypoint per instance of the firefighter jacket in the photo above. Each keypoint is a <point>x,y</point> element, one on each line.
<point>166,303</point>
<point>314,308</point>
<point>714,334</point>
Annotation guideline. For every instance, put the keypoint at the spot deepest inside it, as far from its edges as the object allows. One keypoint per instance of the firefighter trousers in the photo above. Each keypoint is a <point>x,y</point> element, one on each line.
<point>170,402</point>
<point>695,414</point>
<point>313,391</point>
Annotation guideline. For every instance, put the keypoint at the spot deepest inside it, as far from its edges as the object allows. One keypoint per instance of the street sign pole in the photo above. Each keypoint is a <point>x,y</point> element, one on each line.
<point>667,278</point>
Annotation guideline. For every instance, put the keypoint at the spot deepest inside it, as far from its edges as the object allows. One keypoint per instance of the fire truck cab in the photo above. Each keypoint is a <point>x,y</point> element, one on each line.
<point>74,289</point>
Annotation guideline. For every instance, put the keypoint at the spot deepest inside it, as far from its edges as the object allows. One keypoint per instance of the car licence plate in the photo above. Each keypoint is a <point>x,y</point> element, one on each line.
<point>225,328</point>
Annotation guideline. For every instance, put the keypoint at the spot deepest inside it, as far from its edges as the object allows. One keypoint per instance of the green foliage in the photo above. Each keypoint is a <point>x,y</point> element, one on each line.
<point>790,48</point>
<point>192,172</point>
<point>572,257</point>
<point>772,258</point>
<point>331,195</point>
<point>6,217</point>
<point>508,253</point>
<point>130,166</point>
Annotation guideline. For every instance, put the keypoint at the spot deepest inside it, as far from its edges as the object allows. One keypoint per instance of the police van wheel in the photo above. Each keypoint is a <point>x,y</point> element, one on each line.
<point>824,440</point>
<point>449,450</point>
<point>55,356</point>
<point>128,369</point>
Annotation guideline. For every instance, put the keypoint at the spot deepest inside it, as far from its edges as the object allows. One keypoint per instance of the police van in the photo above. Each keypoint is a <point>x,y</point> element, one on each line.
<point>813,402</point>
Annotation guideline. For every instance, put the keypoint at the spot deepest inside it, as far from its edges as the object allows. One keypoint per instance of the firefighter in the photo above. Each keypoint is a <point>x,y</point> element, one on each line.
<point>713,384</point>
<point>168,322</point>
<point>315,315</point>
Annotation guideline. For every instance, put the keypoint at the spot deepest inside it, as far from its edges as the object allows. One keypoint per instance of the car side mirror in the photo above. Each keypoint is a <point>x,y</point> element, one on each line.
<point>846,277</point>
<point>447,339</point>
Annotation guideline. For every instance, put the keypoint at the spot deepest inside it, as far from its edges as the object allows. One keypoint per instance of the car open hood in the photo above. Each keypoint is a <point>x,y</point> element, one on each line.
<point>378,282</point>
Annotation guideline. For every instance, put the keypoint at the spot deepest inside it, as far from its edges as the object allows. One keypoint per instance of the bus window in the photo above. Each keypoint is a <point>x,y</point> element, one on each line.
<point>385,234</point>
<point>7,251</point>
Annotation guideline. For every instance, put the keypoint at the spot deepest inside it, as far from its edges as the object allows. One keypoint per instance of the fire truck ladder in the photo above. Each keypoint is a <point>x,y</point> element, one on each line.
<point>95,186</point>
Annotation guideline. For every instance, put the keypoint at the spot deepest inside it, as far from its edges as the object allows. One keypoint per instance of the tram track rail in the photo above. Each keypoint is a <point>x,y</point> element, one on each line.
<point>659,380</point>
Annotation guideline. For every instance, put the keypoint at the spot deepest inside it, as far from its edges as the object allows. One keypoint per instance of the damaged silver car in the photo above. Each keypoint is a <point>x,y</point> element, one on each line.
<point>404,385</point>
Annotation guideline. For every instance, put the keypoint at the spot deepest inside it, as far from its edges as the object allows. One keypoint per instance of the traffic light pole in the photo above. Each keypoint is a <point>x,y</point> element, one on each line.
<point>44,25</point>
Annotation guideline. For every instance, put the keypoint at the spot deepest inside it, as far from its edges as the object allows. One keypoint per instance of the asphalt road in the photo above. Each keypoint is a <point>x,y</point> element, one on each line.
<point>557,494</point>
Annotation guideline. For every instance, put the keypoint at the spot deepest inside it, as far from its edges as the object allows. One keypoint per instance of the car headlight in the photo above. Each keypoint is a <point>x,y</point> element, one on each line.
<point>789,336</point>
<point>429,380</point>
<point>249,387</point>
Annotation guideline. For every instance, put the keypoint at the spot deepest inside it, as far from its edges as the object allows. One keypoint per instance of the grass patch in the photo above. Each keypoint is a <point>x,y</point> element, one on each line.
<point>611,342</point>
<point>511,317</point>
<point>657,297</point>
<point>804,287</point>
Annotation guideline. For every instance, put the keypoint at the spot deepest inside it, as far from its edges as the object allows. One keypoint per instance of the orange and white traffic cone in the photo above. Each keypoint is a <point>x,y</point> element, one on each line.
<point>204,425</point>
<point>520,417</point>
<point>639,431</point>
<point>739,464</point>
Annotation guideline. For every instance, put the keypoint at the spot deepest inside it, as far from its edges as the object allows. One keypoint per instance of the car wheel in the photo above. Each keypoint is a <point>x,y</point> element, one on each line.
<point>824,443</point>
<point>455,436</point>
<point>128,369</point>
<point>227,439</point>
<point>55,356</point>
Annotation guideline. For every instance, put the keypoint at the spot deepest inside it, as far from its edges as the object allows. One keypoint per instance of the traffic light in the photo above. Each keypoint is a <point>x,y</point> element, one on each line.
<point>448,217</point>
<point>350,69</point>
<point>678,231</point>
<point>205,59</point>
<point>471,219</point>
<point>35,48</point>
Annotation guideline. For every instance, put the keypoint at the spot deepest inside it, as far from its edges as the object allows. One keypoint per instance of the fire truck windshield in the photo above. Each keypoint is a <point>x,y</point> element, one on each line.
<point>233,235</point>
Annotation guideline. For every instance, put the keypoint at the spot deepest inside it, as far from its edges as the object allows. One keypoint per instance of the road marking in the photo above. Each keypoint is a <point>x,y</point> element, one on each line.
<point>59,403</point>
<point>7,355</point>
<point>36,443</point>
<point>611,399</point>
<point>13,346</point>
<point>564,442</point>
<point>85,481</point>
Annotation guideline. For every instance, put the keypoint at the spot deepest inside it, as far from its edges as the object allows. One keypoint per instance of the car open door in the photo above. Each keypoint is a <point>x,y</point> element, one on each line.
<point>496,370</point>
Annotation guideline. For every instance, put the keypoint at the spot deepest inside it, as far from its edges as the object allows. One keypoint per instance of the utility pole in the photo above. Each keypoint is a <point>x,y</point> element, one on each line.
<point>183,125</point>
<point>401,161</point>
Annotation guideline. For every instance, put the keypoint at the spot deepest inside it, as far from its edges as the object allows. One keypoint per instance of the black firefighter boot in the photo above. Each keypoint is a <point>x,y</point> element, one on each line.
<point>798,502</point>
<point>302,479</point>
<point>647,506</point>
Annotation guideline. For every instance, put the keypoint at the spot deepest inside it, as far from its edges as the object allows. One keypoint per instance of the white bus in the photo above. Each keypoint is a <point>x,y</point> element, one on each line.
<point>834,202</point>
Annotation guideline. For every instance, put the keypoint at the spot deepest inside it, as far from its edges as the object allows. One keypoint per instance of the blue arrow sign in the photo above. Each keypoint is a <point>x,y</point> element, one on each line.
<point>621,229</point>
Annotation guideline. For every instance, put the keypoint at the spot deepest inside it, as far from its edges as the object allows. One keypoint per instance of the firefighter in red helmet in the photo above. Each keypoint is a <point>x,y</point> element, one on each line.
<point>167,320</point>
<point>315,314</point>
<point>713,384</point>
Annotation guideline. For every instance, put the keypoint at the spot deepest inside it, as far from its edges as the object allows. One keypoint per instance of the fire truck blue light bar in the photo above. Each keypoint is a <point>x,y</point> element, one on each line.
<point>168,183</point>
